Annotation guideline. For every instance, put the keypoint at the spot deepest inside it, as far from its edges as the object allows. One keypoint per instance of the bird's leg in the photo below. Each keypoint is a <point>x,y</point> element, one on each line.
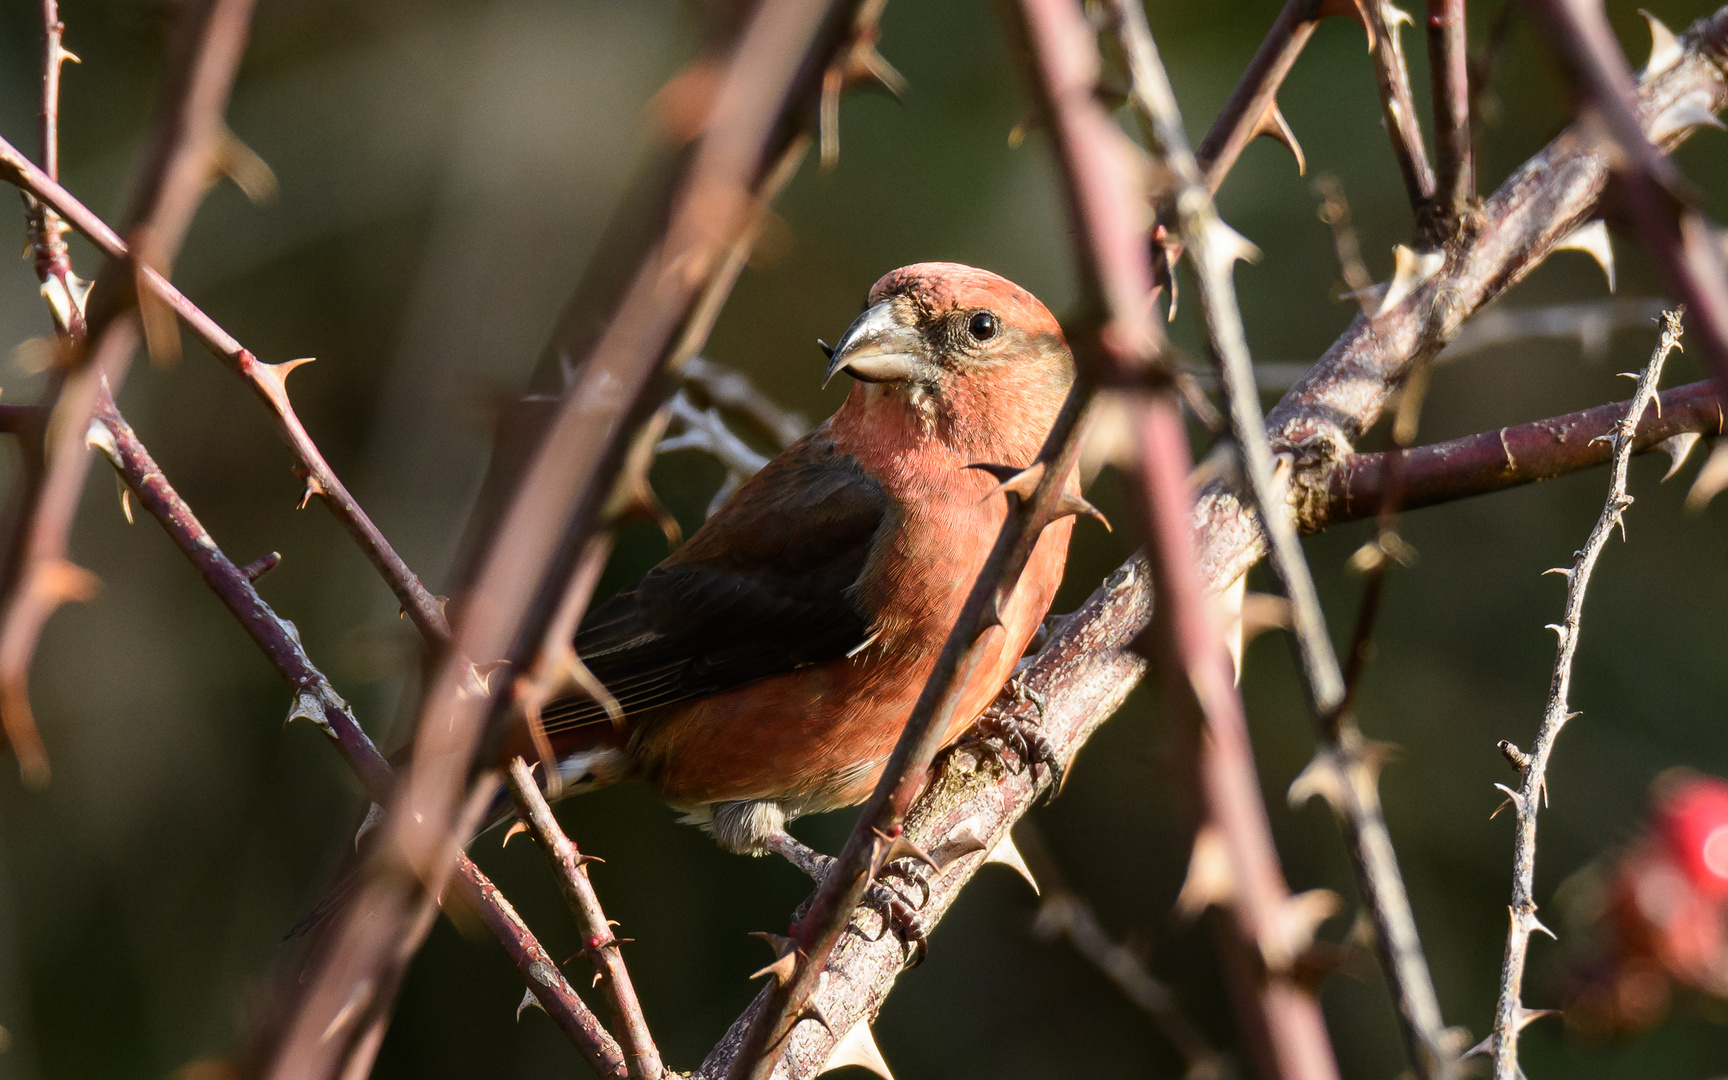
<point>896,913</point>
<point>1028,741</point>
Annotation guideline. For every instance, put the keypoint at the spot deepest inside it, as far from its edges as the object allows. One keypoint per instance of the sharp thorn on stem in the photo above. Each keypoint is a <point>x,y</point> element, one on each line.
<point>1592,239</point>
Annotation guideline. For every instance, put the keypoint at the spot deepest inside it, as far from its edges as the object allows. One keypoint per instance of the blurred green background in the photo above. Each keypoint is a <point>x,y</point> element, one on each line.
<point>445,170</point>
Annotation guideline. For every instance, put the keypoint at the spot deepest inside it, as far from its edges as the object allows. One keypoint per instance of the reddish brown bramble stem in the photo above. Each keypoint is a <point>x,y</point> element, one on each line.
<point>1383,21</point>
<point>99,336</point>
<point>1257,91</point>
<point>1514,456</point>
<point>317,700</point>
<point>267,380</point>
<point>1213,250</point>
<point>1281,1021</point>
<point>1449,69</point>
<point>54,271</point>
<point>598,941</point>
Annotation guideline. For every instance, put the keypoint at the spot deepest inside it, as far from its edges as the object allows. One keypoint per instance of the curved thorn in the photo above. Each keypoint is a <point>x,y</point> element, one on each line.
<point>1592,239</point>
<point>1665,49</point>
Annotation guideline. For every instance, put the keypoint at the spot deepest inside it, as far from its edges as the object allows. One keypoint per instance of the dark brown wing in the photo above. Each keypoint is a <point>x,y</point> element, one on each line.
<point>765,586</point>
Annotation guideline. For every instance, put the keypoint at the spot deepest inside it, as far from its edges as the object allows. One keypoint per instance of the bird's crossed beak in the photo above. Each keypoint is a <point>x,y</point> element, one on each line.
<point>879,348</point>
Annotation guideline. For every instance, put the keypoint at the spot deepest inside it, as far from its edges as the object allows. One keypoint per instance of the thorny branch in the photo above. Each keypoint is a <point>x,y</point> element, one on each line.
<point>54,271</point>
<point>98,336</point>
<point>1088,667</point>
<point>1261,939</point>
<point>1510,1014</point>
<point>598,941</point>
<point>1384,23</point>
<point>523,592</point>
<point>190,165</point>
<point>1253,106</point>
<point>268,381</point>
<point>1522,454</point>
<point>1342,758</point>
<point>1343,393</point>
<point>1539,206</point>
<point>1653,193</point>
<point>316,700</point>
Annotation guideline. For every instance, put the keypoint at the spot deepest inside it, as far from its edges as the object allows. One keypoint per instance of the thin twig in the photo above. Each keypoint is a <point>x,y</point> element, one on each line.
<point>1384,23</point>
<point>56,275</point>
<point>1255,97</point>
<point>316,700</point>
<point>1335,212</point>
<point>36,576</point>
<point>1449,68</point>
<point>550,990</point>
<point>1214,248</point>
<point>1510,1014</point>
<point>268,381</point>
<point>1064,913</point>
<point>598,941</point>
<point>46,229</point>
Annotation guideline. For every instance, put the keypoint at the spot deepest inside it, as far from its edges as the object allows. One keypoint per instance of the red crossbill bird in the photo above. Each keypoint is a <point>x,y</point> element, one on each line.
<point>767,667</point>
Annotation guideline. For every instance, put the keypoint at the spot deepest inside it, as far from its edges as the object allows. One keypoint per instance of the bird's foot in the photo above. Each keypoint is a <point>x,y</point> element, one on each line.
<point>1029,743</point>
<point>1024,694</point>
<point>898,914</point>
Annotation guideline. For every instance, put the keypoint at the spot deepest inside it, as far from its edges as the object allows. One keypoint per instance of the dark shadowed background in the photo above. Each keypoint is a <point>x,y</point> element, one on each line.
<point>445,169</point>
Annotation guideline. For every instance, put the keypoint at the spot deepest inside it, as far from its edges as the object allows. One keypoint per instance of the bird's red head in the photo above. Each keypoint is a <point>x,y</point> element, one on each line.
<point>963,352</point>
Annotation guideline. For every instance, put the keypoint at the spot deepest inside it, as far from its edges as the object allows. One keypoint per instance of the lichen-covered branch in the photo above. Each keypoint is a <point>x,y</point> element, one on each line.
<point>1318,422</point>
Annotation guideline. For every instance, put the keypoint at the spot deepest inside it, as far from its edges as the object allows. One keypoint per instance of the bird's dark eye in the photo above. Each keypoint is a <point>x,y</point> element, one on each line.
<point>982,326</point>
